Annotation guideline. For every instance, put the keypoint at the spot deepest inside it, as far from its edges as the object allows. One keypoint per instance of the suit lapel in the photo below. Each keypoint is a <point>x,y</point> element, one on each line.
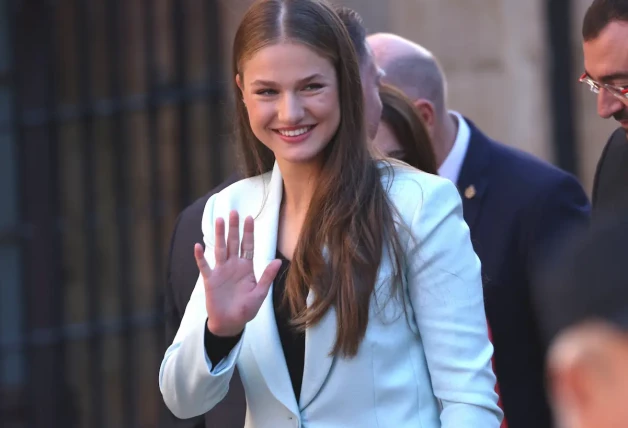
<point>319,342</point>
<point>262,331</point>
<point>473,180</point>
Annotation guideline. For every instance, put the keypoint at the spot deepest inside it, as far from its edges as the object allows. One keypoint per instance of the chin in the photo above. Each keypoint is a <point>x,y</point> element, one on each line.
<point>301,155</point>
<point>303,160</point>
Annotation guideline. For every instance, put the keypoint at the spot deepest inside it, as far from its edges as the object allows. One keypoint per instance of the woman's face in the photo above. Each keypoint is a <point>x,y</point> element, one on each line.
<point>291,95</point>
<point>386,142</point>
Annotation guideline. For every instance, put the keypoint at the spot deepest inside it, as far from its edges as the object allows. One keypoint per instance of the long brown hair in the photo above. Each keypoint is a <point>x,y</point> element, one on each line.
<point>349,218</point>
<point>405,122</point>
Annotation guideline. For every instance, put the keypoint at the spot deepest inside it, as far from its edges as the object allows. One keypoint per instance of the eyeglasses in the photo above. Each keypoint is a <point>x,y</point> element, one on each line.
<point>620,92</point>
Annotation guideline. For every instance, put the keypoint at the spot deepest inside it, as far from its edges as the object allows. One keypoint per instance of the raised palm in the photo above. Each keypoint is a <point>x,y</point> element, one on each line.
<point>232,294</point>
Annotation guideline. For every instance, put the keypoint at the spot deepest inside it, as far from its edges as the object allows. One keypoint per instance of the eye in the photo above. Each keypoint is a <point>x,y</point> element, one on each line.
<point>266,92</point>
<point>313,87</point>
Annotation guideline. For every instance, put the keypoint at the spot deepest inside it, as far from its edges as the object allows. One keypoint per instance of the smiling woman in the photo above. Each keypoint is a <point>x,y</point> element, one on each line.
<point>354,295</point>
<point>291,94</point>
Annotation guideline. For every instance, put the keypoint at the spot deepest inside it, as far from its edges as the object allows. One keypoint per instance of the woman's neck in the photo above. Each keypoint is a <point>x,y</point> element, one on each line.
<point>299,183</point>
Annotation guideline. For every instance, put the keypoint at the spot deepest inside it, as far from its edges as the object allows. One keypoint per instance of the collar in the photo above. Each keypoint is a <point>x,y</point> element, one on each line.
<point>453,162</point>
<point>474,175</point>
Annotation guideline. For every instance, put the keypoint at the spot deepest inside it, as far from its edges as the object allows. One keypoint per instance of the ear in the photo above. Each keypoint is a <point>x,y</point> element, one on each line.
<point>428,113</point>
<point>573,382</point>
<point>564,388</point>
<point>239,82</point>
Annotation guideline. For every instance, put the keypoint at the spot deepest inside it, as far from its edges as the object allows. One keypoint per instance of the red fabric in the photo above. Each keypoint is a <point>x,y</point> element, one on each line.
<point>499,401</point>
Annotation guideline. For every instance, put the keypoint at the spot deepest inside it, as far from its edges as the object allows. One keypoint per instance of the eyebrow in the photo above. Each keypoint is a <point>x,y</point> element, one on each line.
<point>260,82</point>
<point>610,77</point>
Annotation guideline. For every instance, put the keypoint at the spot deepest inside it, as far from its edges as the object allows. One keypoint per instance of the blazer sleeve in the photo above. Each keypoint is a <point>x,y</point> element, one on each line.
<point>172,322</point>
<point>445,290</point>
<point>189,383</point>
<point>172,313</point>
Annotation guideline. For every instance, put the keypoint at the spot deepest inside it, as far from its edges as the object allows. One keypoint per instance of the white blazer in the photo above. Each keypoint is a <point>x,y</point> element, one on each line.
<point>431,369</point>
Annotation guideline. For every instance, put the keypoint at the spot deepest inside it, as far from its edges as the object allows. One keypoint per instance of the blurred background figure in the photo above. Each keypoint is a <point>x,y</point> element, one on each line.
<point>402,134</point>
<point>582,306</point>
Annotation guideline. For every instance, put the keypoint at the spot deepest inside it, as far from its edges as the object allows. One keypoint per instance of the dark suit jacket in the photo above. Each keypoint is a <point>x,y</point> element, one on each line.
<point>610,188</point>
<point>182,274</point>
<point>521,206</point>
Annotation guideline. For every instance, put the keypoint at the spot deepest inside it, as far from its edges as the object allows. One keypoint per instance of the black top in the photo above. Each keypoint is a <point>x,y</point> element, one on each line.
<point>292,342</point>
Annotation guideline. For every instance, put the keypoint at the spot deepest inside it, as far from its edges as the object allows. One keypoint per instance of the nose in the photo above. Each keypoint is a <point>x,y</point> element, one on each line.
<point>291,109</point>
<point>608,104</point>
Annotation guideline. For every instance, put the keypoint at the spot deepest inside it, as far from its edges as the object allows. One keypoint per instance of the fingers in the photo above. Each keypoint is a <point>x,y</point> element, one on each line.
<point>247,246</point>
<point>231,247</point>
<point>233,239</point>
<point>201,262</point>
<point>220,249</point>
<point>267,278</point>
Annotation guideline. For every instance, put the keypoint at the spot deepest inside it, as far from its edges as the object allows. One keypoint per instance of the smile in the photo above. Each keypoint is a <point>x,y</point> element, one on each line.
<point>295,132</point>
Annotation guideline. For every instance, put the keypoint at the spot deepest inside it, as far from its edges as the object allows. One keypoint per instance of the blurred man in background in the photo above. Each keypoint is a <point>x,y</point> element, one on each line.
<point>582,305</point>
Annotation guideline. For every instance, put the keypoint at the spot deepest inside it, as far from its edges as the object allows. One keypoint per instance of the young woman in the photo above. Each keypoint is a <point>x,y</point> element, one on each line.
<point>354,297</point>
<point>402,134</point>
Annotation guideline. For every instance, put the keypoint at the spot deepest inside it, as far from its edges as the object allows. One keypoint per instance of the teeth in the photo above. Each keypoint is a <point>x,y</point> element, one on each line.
<point>295,132</point>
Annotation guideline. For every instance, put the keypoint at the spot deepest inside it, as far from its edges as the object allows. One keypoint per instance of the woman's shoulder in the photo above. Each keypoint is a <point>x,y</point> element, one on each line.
<point>239,195</point>
<point>411,190</point>
<point>398,177</point>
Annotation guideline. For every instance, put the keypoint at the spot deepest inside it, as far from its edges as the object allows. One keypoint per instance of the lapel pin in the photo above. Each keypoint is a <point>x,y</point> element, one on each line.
<point>469,192</point>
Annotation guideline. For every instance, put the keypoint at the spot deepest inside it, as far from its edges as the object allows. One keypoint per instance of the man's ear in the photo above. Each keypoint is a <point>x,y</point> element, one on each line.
<point>567,393</point>
<point>428,112</point>
<point>574,378</point>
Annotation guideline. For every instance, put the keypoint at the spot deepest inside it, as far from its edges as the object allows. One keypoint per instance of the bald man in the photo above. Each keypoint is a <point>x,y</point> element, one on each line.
<point>516,206</point>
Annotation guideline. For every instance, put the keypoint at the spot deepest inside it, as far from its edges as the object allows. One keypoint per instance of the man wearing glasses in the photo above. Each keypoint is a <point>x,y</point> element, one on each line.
<point>605,46</point>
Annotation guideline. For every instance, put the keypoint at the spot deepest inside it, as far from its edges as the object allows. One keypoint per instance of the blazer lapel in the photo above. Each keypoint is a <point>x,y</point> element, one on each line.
<point>262,331</point>
<point>319,342</point>
<point>473,180</point>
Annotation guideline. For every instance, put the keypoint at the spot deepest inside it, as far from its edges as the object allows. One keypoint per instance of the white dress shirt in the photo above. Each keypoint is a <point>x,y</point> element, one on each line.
<point>452,164</point>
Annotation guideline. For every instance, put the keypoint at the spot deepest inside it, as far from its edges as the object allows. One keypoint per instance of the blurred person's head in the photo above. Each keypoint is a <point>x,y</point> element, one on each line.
<point>370,74</point>
<point>417,73</point>
<point>605,47</point>
<point>402,134</point>
<point>582,307</point>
